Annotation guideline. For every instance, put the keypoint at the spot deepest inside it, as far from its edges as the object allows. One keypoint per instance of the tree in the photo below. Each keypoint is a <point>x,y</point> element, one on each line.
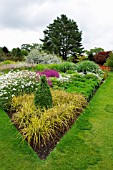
<point>5,50</point>
<point>63,38</point>
<point>17,54</point>
<point>29,47</point>
<point>26,47</point>
<point>101,57</point>
<point>43,97</point>
<point>92,52</point>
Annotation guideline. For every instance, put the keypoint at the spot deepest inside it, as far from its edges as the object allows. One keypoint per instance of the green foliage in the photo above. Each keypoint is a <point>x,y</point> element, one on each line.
<point>63,37</point>
<point>92,52</point>
<point>37,125</point>
<point>29,47</point>
<point>43,98</point>
<point>61,67</point>
<point>109,61</point>
<point>40,57</point>
<point>85,85</point>
<point>7,62</point>
<point>77,58</point>
<point>88,66</point>
<point>17,54</point>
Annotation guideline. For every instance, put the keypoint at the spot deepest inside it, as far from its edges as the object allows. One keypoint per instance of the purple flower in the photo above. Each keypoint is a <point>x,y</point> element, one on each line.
<point>49,83</point>
<point>49,73</point>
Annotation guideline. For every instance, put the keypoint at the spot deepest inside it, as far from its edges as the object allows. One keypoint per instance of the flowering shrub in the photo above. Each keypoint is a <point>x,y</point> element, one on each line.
<point>48,73</point>
<point>35,56</point>
<point>14,84</point>
<point>104,68</point>
<point>101,57</point>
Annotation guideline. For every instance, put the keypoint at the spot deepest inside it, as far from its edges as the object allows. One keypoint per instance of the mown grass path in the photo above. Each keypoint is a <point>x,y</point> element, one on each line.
<point>88,145</point>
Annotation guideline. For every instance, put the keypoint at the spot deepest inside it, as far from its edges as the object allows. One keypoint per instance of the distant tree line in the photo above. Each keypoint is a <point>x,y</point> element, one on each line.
<point>17,54</point>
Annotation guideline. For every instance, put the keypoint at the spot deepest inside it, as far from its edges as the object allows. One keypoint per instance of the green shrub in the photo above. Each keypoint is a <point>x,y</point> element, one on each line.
<point>61,67</point>
<point>37,125</point>
<point>43,96</point>
<point>109,61</point>
<point>88,66</point>
<point>7,62</point>
<point>84,85</point>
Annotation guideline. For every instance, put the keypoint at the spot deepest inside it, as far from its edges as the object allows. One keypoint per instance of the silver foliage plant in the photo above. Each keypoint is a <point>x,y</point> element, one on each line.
<point>40,57</point>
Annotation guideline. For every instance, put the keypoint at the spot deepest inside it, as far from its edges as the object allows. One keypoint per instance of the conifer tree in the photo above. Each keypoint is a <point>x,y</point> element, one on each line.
<point>43,97</point>
<point>63,38</point>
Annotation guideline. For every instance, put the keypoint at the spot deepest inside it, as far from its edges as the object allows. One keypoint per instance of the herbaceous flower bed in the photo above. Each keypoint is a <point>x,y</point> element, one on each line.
<point>43,127</point>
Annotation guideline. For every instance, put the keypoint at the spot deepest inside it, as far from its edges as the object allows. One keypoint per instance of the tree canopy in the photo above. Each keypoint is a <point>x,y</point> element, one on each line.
<point>63,37</point>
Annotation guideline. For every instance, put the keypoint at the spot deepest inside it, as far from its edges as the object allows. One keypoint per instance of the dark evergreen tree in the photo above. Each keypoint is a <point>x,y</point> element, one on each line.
<point>43,97</point>
<point>5,50</point>
<point>63,38</point>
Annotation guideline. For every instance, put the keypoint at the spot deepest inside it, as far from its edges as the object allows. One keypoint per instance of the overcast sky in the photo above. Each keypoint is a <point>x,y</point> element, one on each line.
<point>23,21</point>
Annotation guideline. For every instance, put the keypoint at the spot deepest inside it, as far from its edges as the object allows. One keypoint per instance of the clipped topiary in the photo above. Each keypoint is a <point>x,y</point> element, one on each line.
<point>43,97</point>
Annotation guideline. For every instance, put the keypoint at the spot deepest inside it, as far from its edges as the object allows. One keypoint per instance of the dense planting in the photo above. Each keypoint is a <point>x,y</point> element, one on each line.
<point>41,117</point>
<point>37,125</point>
<point>61,67</point>
<point>14,84</point>
<point>84,84</point>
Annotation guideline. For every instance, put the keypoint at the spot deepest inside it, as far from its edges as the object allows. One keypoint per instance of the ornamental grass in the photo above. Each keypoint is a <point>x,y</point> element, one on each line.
<point>38,124</point>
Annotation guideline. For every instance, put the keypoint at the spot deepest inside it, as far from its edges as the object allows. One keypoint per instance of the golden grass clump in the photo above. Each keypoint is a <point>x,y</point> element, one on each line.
<point>36,124</point>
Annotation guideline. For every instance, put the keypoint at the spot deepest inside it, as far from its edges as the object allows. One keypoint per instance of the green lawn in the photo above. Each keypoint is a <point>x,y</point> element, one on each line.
<point>88,145</point>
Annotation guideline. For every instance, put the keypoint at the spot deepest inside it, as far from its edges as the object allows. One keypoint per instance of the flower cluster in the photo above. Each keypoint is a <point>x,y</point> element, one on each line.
<point>48,73</point>
<point>14,84</point>
<point>105,68</point>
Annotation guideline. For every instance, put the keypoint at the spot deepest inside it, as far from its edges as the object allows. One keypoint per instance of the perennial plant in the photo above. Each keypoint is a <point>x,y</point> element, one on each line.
<point>14,84</point>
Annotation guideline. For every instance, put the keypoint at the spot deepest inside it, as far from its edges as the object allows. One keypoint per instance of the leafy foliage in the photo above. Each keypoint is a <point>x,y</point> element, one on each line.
<point>109,61</point>
<point>17,54</point>
<point>61,67</point>
<point>85,85</point>
<point>101,57</point>
<point>43,98</point>
<point>40,57</point>
<point>92,52</point>
<point>88,66</point>
<point>63,38</point>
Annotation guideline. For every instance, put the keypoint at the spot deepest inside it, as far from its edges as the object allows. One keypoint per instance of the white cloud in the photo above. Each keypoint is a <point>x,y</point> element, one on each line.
<point>24,21</point>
